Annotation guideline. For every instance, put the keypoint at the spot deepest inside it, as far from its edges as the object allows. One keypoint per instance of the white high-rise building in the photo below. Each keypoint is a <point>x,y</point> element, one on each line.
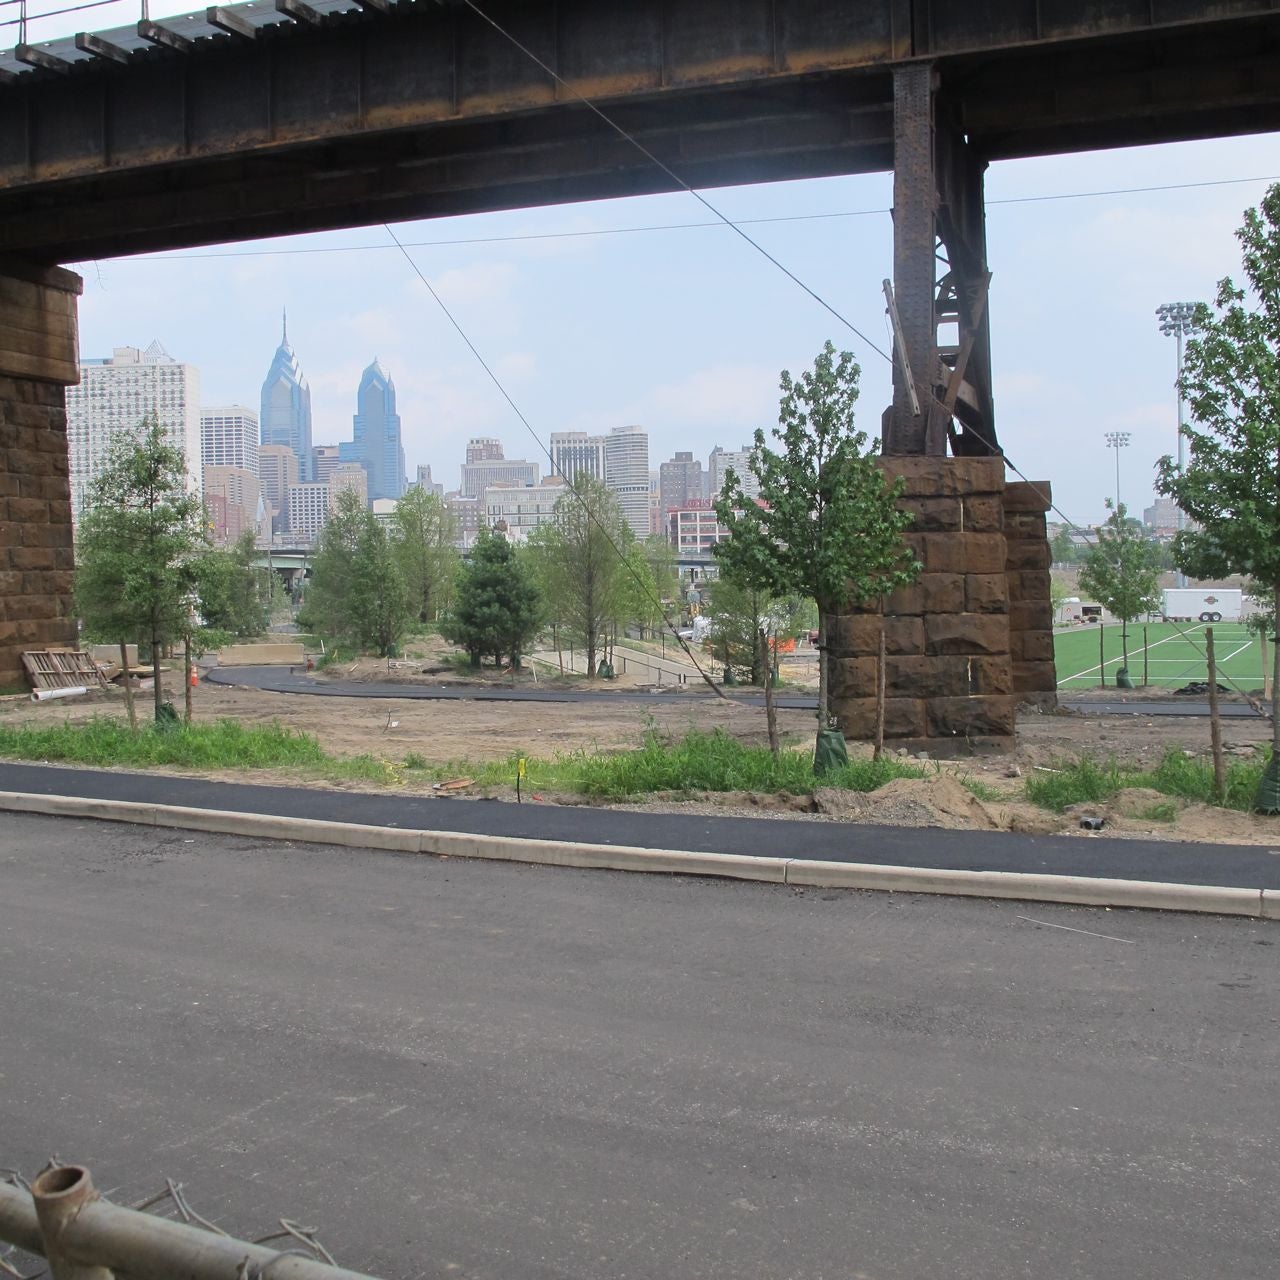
<point>575,453</point>
<point>739,460</point>
<point>115,395</point>
<point>626,472</point>
<point>229,437</point>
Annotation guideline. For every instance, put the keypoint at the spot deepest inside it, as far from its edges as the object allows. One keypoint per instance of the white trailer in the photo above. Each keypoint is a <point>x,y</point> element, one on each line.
<point>1203,604</point>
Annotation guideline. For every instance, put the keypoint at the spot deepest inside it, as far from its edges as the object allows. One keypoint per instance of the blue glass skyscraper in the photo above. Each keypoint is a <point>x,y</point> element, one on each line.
<point>286,406</point>
<point>376,428</point>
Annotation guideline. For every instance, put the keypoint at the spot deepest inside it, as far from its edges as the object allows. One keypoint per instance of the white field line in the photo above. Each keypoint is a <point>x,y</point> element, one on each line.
<point>1080,675</point>
<point>1190,667</point>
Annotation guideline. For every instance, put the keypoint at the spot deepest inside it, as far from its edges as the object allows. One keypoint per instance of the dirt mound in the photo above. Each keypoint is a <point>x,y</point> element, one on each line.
<point>940,801</point>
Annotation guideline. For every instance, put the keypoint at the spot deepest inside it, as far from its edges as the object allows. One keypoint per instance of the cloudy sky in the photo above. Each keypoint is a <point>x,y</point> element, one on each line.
<point>603,314</point>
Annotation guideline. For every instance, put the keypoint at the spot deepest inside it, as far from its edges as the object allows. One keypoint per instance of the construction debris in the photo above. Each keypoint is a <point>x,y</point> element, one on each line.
<point>62,669</point>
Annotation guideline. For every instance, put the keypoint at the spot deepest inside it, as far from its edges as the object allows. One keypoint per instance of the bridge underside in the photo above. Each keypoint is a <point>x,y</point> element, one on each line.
<point>316,121</point>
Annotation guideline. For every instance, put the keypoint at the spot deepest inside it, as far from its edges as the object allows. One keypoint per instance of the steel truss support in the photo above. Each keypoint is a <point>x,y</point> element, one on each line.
<point>940,278</point>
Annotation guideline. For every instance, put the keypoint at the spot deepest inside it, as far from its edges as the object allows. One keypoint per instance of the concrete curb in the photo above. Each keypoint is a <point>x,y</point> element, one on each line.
<point>1259,903</point>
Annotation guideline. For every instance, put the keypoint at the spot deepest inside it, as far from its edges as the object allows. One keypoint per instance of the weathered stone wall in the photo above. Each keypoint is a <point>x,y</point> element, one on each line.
<point>1035,677</point>
<point>965,644</point>
<point>38,358</point>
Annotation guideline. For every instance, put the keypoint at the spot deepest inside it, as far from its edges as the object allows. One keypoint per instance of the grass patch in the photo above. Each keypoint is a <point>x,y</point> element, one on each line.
<point>1166,811</point>
<point>976,787</point>
<point>1088,781</point>
<point>226,744</point>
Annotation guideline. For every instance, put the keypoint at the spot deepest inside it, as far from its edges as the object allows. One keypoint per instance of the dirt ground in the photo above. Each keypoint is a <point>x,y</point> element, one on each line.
<point>444,732</point>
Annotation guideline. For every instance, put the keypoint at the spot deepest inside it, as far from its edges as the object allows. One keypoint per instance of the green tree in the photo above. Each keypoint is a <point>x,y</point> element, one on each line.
<point>1121,572</point>
<point>497,608</point>
<point>1062,548</point>
<point>582,562</point>
<point>739,612</point>
<point>826,525</point>
<point>379,603</point>
<point>424,533</point>
<point>235,593</point>
<point>140,530</point>
<point>330,591</point>
<point>1231,378</point>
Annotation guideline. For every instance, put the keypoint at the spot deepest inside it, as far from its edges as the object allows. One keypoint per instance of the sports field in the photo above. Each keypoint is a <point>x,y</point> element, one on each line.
<point>1173,654</point>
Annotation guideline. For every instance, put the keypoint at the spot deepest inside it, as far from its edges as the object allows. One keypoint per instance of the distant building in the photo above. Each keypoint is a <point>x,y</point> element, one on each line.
<point>113,398</point>
<point>478,476</point>
<point>626,472</point>
<point>349,475</point>
<point>308,510</point>
<point>722,461</point>
<point>484,449</point>
<point>469,513</point>
<point>384,509</point>
<point>324,457</point>
<point>240,507</point>
<point>695,529</point>
<point>575,453</point>
<point>522,507</point>
<point>229,437</point>
<point>376,442</point>
<point>277,473</point>
<point>286,407</point>
<point>426,483</point>
<point>1161,517</point>
<point>679,480</point>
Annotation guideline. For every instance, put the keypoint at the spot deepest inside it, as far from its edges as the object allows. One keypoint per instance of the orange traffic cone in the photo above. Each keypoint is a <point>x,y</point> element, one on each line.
<point>195,677</point>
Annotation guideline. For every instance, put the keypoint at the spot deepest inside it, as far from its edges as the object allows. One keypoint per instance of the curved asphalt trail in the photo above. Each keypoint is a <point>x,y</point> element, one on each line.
<point>286,680</point>
<point>1229,865</point>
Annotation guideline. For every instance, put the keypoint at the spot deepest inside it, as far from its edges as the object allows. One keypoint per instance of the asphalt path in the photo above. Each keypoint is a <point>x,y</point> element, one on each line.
<point>490,1071</point>
<point>1239,866</point>
<point>286,680</point>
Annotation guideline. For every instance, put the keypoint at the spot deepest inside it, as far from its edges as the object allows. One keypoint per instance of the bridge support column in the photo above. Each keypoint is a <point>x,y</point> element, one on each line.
<point>38,360</point>
<point>971,639</point>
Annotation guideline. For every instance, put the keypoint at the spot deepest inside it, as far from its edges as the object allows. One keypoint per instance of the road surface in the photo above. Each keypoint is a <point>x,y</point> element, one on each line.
<point>460,1069</point>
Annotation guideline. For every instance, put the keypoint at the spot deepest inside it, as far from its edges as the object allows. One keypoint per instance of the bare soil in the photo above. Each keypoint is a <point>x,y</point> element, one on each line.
<point>453,732</point>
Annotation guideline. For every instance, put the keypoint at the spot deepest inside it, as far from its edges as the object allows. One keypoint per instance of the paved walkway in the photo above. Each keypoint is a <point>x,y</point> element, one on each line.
<point>1152,860</point>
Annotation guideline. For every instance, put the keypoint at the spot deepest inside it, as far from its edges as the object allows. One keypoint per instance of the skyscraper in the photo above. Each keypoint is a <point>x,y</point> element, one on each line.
<point>229,437</point>
<point>575,453</point>
<point>115,395</point>
<point>681,479</point>
<point>278,472</point>
<point>376,430</point>
<point>626,472</point>
<point>286,406</point>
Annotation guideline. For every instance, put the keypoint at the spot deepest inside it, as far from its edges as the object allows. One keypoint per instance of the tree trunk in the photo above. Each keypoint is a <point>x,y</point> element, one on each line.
<point>155,667</point>
<point>591,640</point>
<point>186,680</point>
<point>128,688</point>
<point>1275,678</point>
<point>1124,641</point>
<point>879,746</point>
<point>1215,722</point>
<point>770,711</point>
<point>822,669</point>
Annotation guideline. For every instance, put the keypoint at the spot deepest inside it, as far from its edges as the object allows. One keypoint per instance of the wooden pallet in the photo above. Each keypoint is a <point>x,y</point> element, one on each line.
<point>62,669</point>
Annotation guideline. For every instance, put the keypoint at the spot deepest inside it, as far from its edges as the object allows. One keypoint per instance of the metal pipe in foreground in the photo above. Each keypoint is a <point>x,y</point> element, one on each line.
<point>84,1237</point>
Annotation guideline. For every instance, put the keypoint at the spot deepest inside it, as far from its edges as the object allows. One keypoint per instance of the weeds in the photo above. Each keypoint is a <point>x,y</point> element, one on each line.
<point>1088,781</point>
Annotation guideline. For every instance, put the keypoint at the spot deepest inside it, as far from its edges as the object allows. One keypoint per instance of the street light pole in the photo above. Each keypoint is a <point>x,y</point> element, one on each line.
<point>1178,318</point>
<point>1117,440</point>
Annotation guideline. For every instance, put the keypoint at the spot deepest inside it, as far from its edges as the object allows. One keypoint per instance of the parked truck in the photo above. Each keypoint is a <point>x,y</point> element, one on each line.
<point>1202,604</point>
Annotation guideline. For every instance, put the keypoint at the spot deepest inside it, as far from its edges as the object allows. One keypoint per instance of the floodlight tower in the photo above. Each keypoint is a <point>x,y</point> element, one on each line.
<point>1117,440</point>
<point>1178,318</point>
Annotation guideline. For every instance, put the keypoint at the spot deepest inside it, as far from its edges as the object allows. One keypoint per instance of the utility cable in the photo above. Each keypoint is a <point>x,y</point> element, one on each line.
<point>556,470</point>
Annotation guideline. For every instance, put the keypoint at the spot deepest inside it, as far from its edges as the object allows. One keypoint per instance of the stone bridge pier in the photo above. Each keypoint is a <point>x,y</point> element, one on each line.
<point>38,360</point>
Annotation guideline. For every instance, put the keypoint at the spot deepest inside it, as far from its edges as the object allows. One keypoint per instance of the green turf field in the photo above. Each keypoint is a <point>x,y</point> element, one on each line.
<point>1173,653</point>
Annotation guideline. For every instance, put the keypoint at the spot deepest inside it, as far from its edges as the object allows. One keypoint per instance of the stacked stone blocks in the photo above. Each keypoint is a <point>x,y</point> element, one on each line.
<point>952,684</point>
<point>38,358</point>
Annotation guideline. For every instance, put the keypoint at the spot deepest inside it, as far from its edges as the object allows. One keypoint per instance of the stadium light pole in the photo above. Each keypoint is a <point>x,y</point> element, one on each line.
<point>1117,440</point>
<point>1178,319</point>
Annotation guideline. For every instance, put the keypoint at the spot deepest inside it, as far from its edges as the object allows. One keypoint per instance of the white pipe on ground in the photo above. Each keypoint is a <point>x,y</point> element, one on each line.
<point>43,695</point>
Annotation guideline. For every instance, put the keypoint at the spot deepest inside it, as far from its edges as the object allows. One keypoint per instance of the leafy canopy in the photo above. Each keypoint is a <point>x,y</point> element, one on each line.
<point>497,608</point>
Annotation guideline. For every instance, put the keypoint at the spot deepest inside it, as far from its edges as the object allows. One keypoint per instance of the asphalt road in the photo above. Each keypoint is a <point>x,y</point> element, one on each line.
<point>489,1070</point>
<point>286,680</point>
<point>1240,866</point>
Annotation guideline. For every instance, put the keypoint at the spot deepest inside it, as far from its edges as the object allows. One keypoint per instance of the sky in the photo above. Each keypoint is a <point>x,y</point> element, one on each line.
<point>683,329</point>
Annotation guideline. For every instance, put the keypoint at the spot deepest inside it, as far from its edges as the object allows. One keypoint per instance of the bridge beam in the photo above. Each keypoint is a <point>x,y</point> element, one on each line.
<point>38,359</point>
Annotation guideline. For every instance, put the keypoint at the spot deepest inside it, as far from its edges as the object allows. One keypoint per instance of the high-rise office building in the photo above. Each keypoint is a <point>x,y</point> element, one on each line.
<point>240,506</point>
<point>324,457</point>
<point>626,472</point>
<point>484,449</point>
<point>575,453</point>
<point>286,407</point>
<point>116,395</point>
<point>278,472</point>
<point>478,476</point>
<point>229,437</point>
<point>722,461</point>
<point>309,506</point>
<point>350,475</point>
<point>376,443</point>
<point>679,480</point>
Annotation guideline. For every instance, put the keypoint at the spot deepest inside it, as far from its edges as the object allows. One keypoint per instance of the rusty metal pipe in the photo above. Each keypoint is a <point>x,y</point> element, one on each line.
<point>87,1238</point>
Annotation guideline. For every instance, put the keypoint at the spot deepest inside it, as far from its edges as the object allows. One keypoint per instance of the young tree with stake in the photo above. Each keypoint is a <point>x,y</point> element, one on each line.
<point>1121,572</point>
<point>1231,487</point>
